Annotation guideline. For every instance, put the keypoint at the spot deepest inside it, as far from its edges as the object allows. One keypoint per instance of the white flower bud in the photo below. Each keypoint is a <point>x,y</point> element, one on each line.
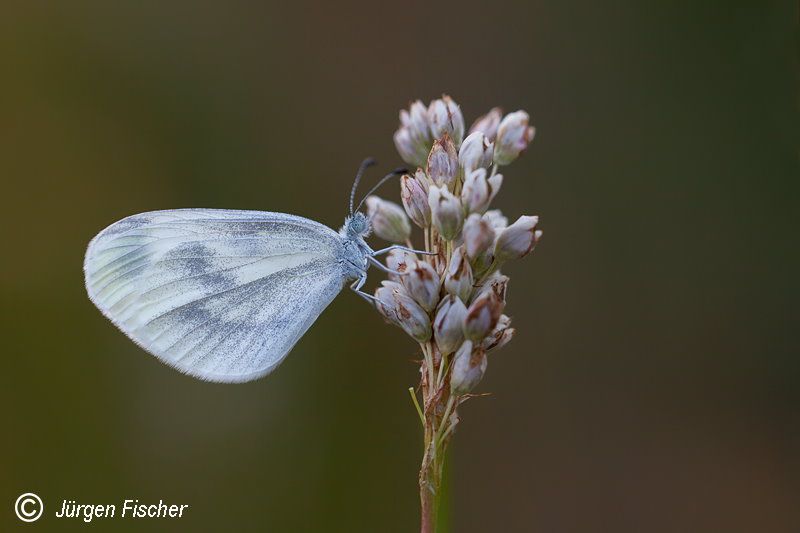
<point>513,136</point>
<point>409,151</point>
<point>423,179</point>
<point>416,120</point>
<point>400,261</point>
<point>494,185</point>
<point>468,368</point>
<point>444,116</point>
<point>482,316</point>
<point>475,192</point>
<point>442,165</point>
<point>505,338</point>
<point>498,223</point>
<point>478,235</point>
<point>448,326</point>
<point>400,309</point>
<point>413,138</point>
<point>517,240</point>
<point>385,305</point>
<point>497,284</point>
<point>415,200</point>
<point>388,220</point>
<point>478,191</point>
<point>496,219</point>
<point>458,278</point>
<point>488,123</point>
<point>447,214</point>
<point>475,152</point>
<point>500,335</point>
<point>422,284</point>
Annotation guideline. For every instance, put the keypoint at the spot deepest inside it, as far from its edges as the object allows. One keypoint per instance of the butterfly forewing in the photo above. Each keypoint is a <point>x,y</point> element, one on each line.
<point>222,295</point>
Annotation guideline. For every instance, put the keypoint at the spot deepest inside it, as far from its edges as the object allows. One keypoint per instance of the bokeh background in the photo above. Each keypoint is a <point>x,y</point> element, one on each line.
<point>653,385</point>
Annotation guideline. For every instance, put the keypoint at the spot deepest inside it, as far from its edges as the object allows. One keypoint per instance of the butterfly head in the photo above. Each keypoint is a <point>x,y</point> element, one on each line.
<point>357,225</point>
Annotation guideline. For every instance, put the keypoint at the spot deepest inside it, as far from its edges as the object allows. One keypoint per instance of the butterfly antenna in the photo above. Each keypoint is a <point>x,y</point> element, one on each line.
<point>387,177</point>
<point>365,164</point>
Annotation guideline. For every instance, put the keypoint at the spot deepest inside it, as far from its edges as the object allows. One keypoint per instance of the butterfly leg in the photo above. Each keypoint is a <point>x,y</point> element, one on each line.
<point>383,267</point>
<point>401,247</point>
<point>356,288</point>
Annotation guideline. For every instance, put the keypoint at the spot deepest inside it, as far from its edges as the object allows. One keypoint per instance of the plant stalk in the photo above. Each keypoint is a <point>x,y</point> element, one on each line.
<point>438,405</point>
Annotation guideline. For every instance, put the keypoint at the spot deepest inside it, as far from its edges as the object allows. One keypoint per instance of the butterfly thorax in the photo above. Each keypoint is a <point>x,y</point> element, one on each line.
<point>355,250</point>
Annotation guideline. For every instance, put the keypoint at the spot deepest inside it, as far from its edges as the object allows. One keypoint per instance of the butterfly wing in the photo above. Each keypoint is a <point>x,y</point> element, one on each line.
<point>221,295</point>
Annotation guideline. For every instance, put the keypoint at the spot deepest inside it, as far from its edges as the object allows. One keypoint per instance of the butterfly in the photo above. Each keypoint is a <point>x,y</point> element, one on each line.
<point>224,295</point>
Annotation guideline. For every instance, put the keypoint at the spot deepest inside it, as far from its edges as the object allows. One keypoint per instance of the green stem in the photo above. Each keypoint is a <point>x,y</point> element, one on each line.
<point>442,366</point>
<point>428,507</point>
<point>416,404</point>
<point>439,431</point>
<point>433,398</point>
<point>427,350</point>
<point>446,434</point>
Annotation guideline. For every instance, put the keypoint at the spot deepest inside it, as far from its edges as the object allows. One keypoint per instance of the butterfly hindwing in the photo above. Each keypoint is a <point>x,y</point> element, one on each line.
<point>222,295</point>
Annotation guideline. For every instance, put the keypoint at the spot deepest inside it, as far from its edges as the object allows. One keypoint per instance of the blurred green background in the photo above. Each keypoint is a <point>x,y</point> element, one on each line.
<point>653,384</point>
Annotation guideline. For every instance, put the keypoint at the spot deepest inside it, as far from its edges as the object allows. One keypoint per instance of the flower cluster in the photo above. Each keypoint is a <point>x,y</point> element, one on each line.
<point>452,299</point>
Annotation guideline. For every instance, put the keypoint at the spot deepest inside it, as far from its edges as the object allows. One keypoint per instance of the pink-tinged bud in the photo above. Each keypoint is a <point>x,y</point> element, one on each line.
<point>413,138</point>
<point>488,123</point>
<point>478,235</point>
<point>408,314</point>
<point>415,201</point>
<point>447,214</point>
<point>443,162</point>
<point>448,326</point>
<point>458,278</point>
<point>497,284</point>
<point>475,193</point>
<point>517,240</point>
<point>399,261</point>
<point>479,191</point>
<point>482,316</point>
<point>422,284</point>
<point>505,338</point>
<point>409,151</point>
<point>500,335</point>
<point>385,305</point>
<point>494,185</point>
<point>469,365</point>
<point>388,220</point>
<point>475,152</point>
<point>444,117</point>
<point>416,120</point>
<point>496,219</point>
<point>513,136</point>
<point>423,179</point>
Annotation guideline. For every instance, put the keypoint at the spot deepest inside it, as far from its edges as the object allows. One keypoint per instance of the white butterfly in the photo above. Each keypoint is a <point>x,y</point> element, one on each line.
<point>224,295</point>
